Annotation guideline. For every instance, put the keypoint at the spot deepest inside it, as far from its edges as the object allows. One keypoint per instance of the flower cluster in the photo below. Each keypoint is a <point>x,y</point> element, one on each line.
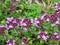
<point>57,11</point>
<point>57,8</point>
<point>10,42</point>
<point>25,41</point>
<point>53,18</point>
<point>45,17</point>
<point>44,35</point>
<point>12,23</point>
<point>38,22</point>
<point>56,36</point>
<point>26,23</point>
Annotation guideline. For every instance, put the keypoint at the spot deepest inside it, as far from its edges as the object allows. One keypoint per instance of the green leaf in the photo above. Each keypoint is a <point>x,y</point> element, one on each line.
<point>55,29</point>
<point>6,32</point>
<point>37,43</point>
<point>3,21</point>
<point>0,13</point>
<point>1,38</point>
<point>47,25</point>
<point>30,41</point>
<point>41,42</point>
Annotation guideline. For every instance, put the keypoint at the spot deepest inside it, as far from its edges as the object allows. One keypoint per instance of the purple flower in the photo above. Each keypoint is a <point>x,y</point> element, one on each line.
<point>55,33</point>
<point>18,21</point>
<point>57,12</point>
<point>43,35</point>
<point>53,24</point>
<point>8,26</point>
<point>13,7</point>
<point>23,43</point>
<point>26,23</point>
<point>25,40</point>
<point>23,24</point>
<point>25,28</point>
<point>57,6</point>
<point>27,20</point>
<point>11,23</point>
<point>39,37</point>
<point>53,18</point>
<point>56,36</point>
<point>10,42</point>
<point>45,17</point>
<point>38,22</point>
<point>2,29</point>
<point>14,0</point>
<point>10,19</point>
<point>57,22</point>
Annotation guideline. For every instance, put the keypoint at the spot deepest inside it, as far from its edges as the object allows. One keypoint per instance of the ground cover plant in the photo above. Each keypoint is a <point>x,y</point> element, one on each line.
<point>29,22</point>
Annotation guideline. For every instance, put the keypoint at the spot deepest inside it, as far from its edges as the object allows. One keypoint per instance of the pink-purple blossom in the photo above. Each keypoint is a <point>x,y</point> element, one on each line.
<point>25,40</point>
<point>13,7</point>
<point>2,27</point>
<point>38,22</point>
<point>56,36</point>
<point>44,35</point>
<point>10,42</point>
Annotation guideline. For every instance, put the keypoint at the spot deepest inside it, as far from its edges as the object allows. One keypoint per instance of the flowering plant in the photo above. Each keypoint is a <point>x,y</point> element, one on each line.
<point>22,23</point>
